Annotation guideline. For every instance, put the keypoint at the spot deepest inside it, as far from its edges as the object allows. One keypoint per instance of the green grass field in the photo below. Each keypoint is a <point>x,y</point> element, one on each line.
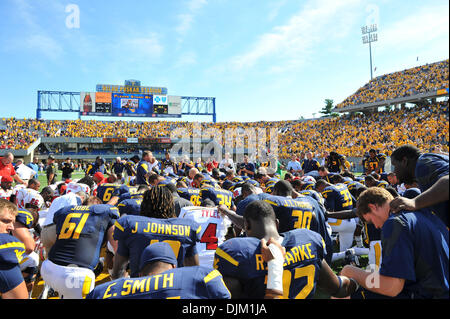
<point>43,177</point>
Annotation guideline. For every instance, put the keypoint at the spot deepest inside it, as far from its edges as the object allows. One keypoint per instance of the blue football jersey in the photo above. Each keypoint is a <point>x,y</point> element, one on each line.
<point>80,232</point>
<point>309,185</point>
<point>241,258</point>
<point>217,195</point>
<point>313,194</point>
<point>242,205</point>
<point>371,233</point>
<point>382,184</point>
<point>411,192</point>
<point>337,197</point>
<point>310,165</point>
<point>429,168</point>
<point>269,184</point>
<point>105,191</point>
<point>354,186</point>
<point>191,194</point>
<point>197,282</point>
<point>134,233</point>
<point>125,192</point>
<point>141,170</point>
<point>168,180</point>
<point>302,212</point>
<point>11,252</point>
<point>372,164</point>
<point>415,247</point>
<point>130,206</point>
<point>129,166</point>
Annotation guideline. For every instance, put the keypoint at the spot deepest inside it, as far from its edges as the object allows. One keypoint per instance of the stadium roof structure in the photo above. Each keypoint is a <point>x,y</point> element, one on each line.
<point>417,98</point>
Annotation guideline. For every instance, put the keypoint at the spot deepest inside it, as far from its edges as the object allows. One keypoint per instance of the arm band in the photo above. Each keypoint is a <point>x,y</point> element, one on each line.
<point>275,269</point>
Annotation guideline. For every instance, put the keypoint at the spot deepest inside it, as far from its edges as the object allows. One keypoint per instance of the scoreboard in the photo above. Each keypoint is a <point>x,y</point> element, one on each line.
<point>129,100</point>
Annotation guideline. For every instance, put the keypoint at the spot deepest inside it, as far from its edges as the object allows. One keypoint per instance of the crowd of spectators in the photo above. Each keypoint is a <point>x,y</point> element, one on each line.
<point>350,135</point>
<point>421,79</point>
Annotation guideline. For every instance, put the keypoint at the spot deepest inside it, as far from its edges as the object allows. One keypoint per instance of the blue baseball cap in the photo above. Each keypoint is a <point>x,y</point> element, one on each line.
<point>159,251</point>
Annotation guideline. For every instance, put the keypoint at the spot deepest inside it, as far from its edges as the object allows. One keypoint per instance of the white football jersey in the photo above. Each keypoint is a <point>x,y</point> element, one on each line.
<point>17,188</point>
<point>73,187</point>
<point>214,227</point>
<point>5,194</point>
<point>27,195</point>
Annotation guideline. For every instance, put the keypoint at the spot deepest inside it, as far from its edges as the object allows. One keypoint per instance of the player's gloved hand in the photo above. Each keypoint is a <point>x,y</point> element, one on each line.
<point>402,203</point>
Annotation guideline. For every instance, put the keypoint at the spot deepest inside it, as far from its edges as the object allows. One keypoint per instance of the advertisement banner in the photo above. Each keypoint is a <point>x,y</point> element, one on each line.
<point>132,140</point>
<point>174,104</point>
<point>87,102</point>
<point>160,100</point>
<point>103,102</point>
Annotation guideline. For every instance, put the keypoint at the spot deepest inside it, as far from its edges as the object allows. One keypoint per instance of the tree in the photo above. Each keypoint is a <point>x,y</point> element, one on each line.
<point>327,109</point>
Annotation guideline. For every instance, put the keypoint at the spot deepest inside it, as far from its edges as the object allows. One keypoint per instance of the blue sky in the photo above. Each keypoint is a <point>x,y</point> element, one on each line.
<point>262,60</point>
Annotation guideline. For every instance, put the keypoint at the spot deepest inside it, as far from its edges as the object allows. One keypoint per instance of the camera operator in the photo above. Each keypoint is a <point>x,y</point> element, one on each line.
<point>67,169</point>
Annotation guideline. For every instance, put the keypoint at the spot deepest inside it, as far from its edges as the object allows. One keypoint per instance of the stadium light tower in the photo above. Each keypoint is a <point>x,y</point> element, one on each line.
<point>369,36</point>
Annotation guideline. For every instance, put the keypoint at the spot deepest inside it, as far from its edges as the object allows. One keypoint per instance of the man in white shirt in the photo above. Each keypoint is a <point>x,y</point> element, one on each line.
<point>294,166</point>
<point>226,163</point>
<point>24,172</point>
<point>153,162</point>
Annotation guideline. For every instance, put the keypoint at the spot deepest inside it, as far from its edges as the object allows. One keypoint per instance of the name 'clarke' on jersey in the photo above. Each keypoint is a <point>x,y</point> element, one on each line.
<point>241,258</point>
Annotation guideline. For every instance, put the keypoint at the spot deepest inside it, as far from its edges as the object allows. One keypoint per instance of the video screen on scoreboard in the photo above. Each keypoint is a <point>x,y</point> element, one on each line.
<point>128,104</point>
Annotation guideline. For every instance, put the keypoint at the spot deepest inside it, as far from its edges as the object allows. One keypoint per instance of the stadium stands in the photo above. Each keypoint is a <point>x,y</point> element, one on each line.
<point>421,79</point>
<point>350,135</point>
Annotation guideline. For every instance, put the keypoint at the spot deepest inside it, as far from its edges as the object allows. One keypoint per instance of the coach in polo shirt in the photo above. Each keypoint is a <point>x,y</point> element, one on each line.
<point>7,169</point>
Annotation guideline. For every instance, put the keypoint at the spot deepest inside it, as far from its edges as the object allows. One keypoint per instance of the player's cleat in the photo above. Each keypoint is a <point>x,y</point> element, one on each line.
<point>45,292</point>
<point>52,293</point>
<point>351,258</point>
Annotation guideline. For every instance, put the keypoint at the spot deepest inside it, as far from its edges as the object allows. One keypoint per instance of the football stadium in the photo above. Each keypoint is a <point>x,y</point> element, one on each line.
<point>130,200</point>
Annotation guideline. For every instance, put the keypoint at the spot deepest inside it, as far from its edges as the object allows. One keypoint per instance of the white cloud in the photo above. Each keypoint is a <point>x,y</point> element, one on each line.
<point>142,47</point>
<point>187,19</point>
<point>291,45</point>
<point>427,24</point>
<point>44,44</point>
<point>36,39</point>
<point>186,59</point>
<point>274,8</point>
<point>423,34</point>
